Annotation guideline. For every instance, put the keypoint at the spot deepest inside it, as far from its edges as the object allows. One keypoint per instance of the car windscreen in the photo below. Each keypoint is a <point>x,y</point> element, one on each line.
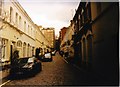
<point>47,55</point>
<point>23,60</point>
<point>30,60</point>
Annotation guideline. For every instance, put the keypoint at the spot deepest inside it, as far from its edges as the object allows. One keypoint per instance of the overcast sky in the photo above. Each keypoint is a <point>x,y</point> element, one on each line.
<point>50,13</point>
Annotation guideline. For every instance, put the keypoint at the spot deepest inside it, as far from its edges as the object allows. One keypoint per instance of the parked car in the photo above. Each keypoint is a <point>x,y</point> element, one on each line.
<point>47,57</point>
<point>26,66</point>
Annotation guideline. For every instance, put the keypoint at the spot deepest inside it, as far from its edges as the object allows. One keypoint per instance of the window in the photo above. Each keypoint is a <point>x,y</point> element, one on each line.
<point>82,11</point>
<point>16,19</point>
<point>11,13</point>
<point>88,12</point>
<point>24,26</point>
<point>79,21</point>
<point>79,16</point>
<point>82,18</point>
<point>19,21</point>
<point>31,31</point>
<point>85,15</point>
<point>4,49</point>
<point>32,50</point>
<point>28,29</point>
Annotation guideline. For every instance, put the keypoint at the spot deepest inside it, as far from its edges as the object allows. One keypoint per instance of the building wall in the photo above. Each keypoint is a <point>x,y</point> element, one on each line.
<point>67,35</point>
<point>105,40</point>
<point>12,34</point>
<point>63,32</point>
<point>17,32</point>
<point>96,39</point>
<point>67,43</point>
<point>82,35</point>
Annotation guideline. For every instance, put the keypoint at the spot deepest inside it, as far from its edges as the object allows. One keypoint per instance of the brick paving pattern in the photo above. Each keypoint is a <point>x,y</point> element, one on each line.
<point>57,72</point>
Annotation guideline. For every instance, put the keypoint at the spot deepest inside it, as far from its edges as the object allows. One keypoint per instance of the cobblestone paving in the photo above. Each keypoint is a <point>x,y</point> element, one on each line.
<point>57,72</point>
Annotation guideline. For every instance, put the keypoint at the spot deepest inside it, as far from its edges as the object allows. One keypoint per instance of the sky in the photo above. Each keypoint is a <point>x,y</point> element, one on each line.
<point>50,13</point>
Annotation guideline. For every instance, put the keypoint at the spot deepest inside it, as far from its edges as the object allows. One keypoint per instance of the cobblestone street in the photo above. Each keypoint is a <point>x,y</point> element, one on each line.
<point>59,43</point>
<point>57,72</point>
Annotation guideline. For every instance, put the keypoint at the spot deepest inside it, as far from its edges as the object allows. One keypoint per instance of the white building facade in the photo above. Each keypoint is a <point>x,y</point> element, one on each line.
<point>17,32</point>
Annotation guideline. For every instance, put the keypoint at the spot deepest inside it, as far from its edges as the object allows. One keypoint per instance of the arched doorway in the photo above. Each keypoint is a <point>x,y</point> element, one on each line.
<point>24,49</point>
<point>19,48</point>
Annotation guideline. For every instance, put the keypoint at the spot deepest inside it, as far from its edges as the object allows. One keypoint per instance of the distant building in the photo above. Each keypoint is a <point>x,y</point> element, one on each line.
<point>40,40</point>
<point>49,33</point>
<point>62,33</point>
<point>67,42</point>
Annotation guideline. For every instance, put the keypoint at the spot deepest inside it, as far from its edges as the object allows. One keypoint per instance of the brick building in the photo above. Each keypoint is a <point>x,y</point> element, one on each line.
<point>96,40</point>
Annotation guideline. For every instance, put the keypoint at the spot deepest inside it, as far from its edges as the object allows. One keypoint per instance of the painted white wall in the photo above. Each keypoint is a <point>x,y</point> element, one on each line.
<point>13,32</point>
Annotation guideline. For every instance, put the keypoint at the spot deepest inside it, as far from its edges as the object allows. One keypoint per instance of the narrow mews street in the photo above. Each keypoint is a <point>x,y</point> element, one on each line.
<point>57,72</point>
